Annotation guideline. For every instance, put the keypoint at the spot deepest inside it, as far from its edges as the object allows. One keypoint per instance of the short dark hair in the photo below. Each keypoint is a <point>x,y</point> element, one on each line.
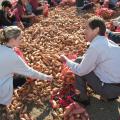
<point>6,3</point>
<point>95,22</point>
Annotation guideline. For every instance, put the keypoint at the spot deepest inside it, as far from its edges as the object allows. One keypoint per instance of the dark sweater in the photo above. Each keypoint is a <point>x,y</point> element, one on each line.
<point>6,19</point>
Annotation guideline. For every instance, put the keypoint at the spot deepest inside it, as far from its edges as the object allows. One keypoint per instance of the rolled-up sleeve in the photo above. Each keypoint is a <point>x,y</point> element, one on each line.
<point>87,64</point>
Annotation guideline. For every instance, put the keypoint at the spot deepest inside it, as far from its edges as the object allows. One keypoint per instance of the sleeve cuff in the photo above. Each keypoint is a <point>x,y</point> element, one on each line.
<point>108,31</point>
<point>69,62</point>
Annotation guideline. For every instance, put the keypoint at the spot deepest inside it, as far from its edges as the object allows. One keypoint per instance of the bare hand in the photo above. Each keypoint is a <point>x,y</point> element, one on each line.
<point>63,58</point>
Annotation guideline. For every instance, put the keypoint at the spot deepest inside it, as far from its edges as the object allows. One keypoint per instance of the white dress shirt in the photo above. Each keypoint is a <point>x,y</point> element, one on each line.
<point>102,57</point>
<point>11,63</point>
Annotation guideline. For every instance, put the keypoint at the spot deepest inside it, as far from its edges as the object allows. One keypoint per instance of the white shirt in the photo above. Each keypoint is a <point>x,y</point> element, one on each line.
<point>11,63</point>
<point>102,57</point>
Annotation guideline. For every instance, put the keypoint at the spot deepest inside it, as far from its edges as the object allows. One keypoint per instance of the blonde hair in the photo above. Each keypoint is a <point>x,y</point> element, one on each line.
<point>8,33</point>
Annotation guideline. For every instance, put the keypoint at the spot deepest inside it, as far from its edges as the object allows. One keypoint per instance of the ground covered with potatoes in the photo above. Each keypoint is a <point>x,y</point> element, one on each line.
<point>42,43</point>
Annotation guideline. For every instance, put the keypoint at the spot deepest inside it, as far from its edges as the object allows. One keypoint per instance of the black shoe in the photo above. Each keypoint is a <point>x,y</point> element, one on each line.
<point>76,98</point>
<point>112,99</point>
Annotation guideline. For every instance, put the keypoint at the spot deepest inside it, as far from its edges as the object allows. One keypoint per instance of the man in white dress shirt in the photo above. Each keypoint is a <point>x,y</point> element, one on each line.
<point>100,66</point>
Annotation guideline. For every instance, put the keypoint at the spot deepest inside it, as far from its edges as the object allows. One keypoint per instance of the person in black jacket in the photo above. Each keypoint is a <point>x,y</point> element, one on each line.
<point>6,16</point>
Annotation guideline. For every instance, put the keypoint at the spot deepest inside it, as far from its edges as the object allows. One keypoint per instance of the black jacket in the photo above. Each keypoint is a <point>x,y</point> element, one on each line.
<point>6,19</point>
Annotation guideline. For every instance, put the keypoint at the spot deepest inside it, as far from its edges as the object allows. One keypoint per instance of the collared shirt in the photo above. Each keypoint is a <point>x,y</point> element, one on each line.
<point>11,63</point>
<point>102,57</point>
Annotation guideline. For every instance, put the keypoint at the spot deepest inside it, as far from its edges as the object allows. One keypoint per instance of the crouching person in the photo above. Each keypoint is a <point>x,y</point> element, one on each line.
<point>11,63</point>
<point>6,16</point>
<point>100,66</point>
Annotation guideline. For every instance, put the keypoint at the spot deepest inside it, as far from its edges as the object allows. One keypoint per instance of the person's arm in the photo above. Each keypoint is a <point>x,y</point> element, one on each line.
<point>28,16</point>
<point>20,24</point>
<point>18,20</point>
<point>87,64</point>
<point>20,67</point>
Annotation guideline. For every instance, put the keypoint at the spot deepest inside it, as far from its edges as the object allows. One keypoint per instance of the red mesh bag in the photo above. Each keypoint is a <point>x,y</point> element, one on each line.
<point>105,13</point>
<point>74,111</point>
<point>67,75</point>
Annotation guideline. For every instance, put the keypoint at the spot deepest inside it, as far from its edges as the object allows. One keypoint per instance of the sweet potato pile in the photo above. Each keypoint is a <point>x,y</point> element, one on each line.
<point>61,32</point>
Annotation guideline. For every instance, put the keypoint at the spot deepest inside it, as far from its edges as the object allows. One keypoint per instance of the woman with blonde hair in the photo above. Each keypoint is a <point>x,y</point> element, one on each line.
<point>11,63</point>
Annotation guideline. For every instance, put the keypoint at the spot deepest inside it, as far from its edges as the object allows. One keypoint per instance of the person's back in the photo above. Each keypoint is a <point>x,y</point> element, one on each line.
<point>6,57</point>
<point>108,64</point>
<point>6,77</point>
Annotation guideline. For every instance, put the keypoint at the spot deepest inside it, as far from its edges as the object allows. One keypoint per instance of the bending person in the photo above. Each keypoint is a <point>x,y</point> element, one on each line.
<point>11,63</point>
<point>100,66</point>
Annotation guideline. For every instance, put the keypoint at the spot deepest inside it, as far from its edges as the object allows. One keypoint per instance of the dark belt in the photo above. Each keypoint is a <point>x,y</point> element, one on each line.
<point>1,105</point>
<point>115,84</point>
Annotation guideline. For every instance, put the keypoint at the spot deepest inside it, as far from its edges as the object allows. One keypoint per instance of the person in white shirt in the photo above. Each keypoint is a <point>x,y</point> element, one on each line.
<point>100,66</point>
<point>11,63</point>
